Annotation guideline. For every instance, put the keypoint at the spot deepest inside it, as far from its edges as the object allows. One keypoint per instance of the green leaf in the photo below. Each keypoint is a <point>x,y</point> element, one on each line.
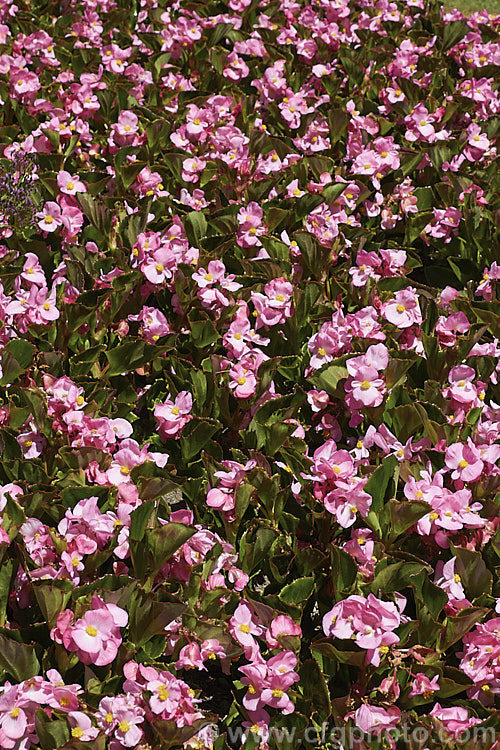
<point>405,514</point>
<point>195,225</point>
<point>52,598</point>
<point>139,519</point>
<point>453,33</point>
<point>171,735</point>
<point>203,333</point>
<point>395,576</point>
<point>315,689</point>
<point>428,593</point>
<point>149,618</point>
<point>130,356</point>
<point>196,435</point>
<point>52,733</point>
<point>329,377</point>
<point>472,569</point>
<point>8,570</point>
<point>344,570</point>
<point>18,659</point>
<point>456,627</point>
<point>381,481</point>
<point>298,591</point>
<point>326,648</point>
<point>163,541</point>
<point>16,355</point>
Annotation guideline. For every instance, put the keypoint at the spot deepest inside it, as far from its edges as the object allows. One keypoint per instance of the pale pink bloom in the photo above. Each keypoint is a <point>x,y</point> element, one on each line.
<point>165,694</point>
<point>448,580</point>
<point>81,726</point>
<point>32,444</point>
<point>213,275</point>
<point>366,387</point>
<point>243,627</point>
<point>455,719</point>
<point>43,305</point>
<point>422,685</point>
<point>403,311</point>
<point>70,184</point>
<point>32,271</point>
<point>476,138</point>
<point>465,460</point>
<point>127,731</point>
<point>281,626</point>
<point>242,381</point>
<point>190,657</point>
<point>96,636</point>
<point>449,327</point>
<point>50,217</point>
<point>377,719</point>
<point>172,416</point>
<point>317,400</point>
<point>274,306</point>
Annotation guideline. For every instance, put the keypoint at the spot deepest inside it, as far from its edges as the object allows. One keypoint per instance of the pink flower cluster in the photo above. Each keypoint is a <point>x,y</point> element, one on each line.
<point>230,478</point>
<point>369,622</point>
<point>19,703</point>
<point>480,660</point>
<point>173,416</point>
<point>267,681</point>
<point>96,636</point>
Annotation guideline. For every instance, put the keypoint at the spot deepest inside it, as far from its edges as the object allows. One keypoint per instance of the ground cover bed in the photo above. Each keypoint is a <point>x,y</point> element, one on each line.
<point>249,387</point>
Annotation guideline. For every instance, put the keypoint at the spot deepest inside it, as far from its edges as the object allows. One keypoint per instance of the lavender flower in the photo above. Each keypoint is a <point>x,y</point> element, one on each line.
<point>18,194</point>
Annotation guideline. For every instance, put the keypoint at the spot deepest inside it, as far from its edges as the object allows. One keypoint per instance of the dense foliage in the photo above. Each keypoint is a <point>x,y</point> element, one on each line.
<point>249,394</point>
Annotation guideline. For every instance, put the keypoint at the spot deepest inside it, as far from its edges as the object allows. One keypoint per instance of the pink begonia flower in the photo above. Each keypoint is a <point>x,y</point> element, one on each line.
<point>377,719</point>
<point>96,636</point>
<point>490,275</point>
<point>448,580</point>
<point>255,679</point>
<point>367,266</point>
<point>13,725</point>
<point>281,626</point>
<point>70,184</point>
<point>172,416</point>
<point>275,305</point>
<point>449,327</point>
<point>124,460</point>
<point>190,657</point>
<point>212,649</point>
<point>166,694</point>
<point>243,627</point>
<point>32,271</point>
<point>42,305</point>
<point>192,168</point>
<point>235,67</point>
<point>159,266</point>
<point>465,460</point>
<point>403,311</point>
<point>293,190</point>
<point>213,275</point>
<point>367,387</point>
<point>455,719</point>
<point>317,400</point>
<point>127,731</point>
<point>32,444</point>
<point>222,497</point>
<point>422,685</point>
<point>369,622</point>
<point>50,217</point>
<point>274,693</point>
<point>242,381</point>
<point>347,500</point>
<point>81,726</point>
